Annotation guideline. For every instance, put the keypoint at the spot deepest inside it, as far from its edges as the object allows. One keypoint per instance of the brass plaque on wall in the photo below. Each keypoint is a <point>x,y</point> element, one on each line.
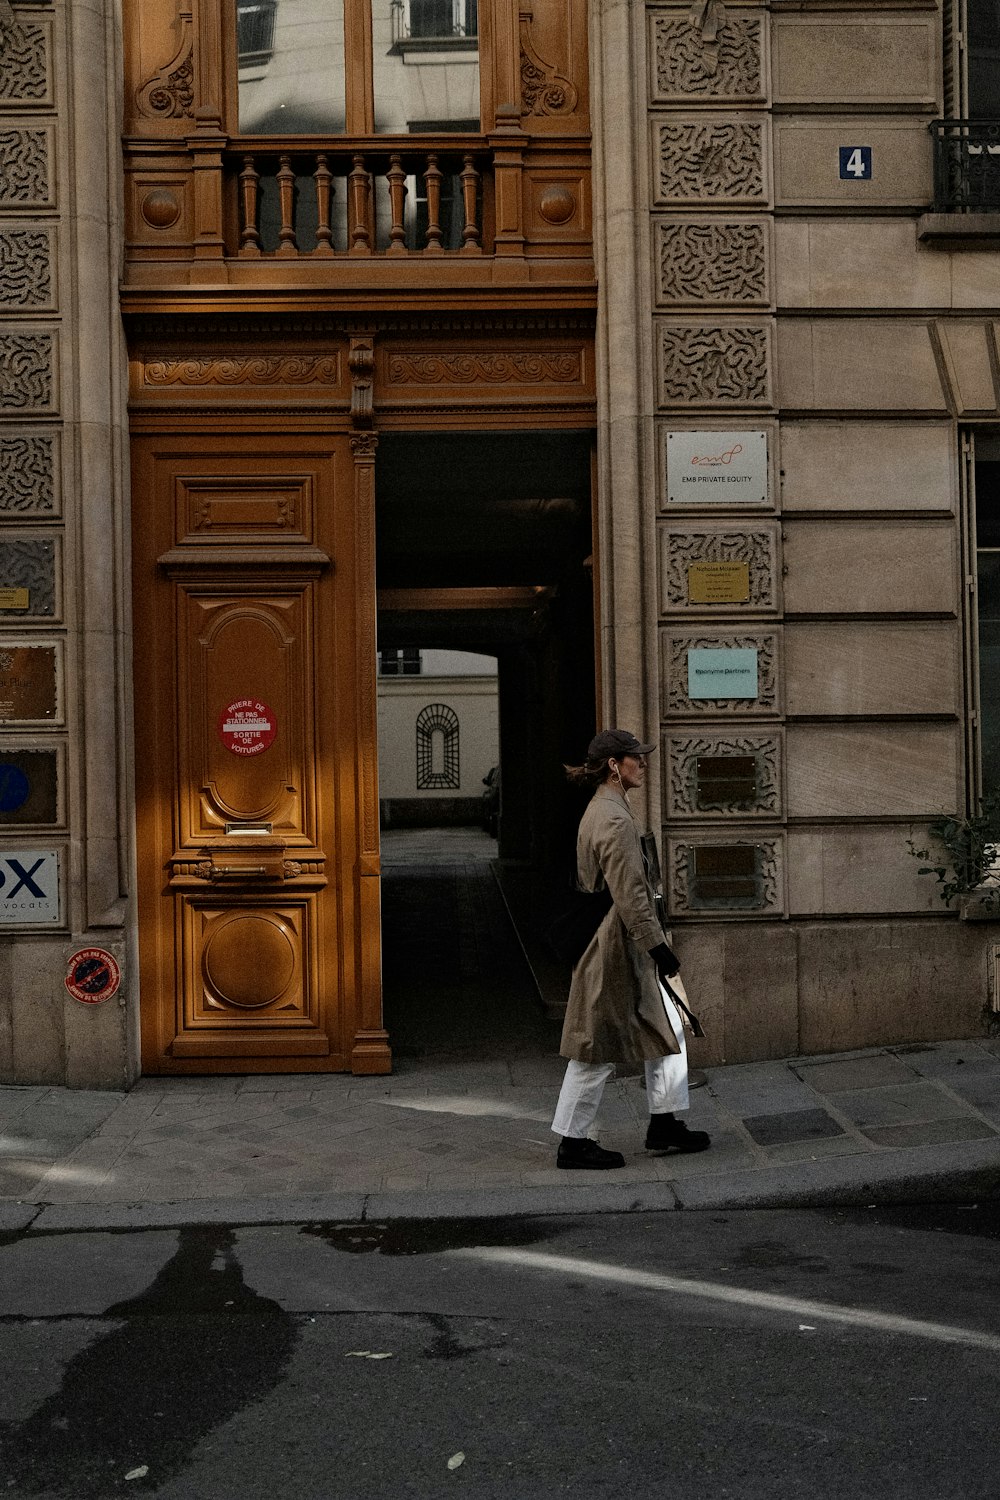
<point>722,780</point>
<point>718,582</point>
<point>11,598</point>
<point>27,683</point>
<point>725,875</point>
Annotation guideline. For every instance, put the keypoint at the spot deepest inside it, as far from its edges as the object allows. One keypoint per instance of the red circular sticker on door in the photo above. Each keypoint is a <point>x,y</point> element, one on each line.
<point>247,726</point>
<point>93,975</point>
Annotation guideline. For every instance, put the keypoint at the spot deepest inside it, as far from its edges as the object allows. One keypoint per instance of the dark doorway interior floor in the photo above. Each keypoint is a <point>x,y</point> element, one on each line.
<point>455,980</point>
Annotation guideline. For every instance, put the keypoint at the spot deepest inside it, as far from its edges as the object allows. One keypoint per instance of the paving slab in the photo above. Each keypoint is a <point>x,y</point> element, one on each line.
<point>868,1072</point>
<point>896,1105</point>
<point>792,1125</point>
<point>930,1132</point>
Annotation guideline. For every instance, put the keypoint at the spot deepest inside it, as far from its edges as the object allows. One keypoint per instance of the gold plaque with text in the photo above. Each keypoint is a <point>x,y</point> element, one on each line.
<point>718,583</point>
<point>27,682</point>
<point>11,598</point>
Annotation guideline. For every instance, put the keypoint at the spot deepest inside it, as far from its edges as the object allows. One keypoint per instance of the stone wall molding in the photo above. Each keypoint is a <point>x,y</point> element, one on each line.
<point>771,865</point>
<point>28,380</point>
<point>685,66</point>
<point>681,546</point>
<point>674,648</point>
<point>714,365</point>
<point>27,269</point>
<point>26,167</point>
<point>682,750</point>
<point>725,261</point>
<point>711,160</point>
<point>26,65</point>
<point>29,475</point>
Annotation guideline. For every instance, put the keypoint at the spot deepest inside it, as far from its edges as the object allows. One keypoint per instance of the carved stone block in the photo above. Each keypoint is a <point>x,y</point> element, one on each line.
<point>710,160</point>
<point>29,579</point>
<point>682,547</point>
<point>26,275</point>
<point>27,375</point>
<point>714,365</point>
<point>684,749</point>
<point>684,65</point>
<point>28,476</point>
<point>762,895</point>
<point>726,261</point>
<point>26,64</point>
<point>674,647</point>
<point>26,177</point>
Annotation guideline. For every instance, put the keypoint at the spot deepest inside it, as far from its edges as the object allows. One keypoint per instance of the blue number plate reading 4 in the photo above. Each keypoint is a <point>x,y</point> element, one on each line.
<point>856,163</point>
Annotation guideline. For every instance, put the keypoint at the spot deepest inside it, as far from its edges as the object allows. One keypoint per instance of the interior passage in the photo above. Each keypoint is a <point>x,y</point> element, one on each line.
<point>455,978</point>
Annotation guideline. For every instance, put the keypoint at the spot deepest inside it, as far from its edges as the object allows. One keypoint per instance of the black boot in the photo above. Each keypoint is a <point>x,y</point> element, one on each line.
<point>579,1154</point>
<point>666,1133</point>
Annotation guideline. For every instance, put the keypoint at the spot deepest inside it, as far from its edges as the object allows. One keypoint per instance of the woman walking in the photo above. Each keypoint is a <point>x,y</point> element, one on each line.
<point>619,1011</point>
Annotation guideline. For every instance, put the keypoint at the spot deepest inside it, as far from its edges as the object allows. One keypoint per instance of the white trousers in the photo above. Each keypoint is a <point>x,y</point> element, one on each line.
<point>583,1085</point>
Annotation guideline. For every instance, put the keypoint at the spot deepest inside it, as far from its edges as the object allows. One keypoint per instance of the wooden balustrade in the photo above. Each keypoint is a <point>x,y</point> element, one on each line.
<point>349,200</point>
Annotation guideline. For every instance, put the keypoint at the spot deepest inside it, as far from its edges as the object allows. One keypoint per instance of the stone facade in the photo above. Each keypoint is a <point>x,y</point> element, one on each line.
<point>806,926</point>
<point>63,598</point>
<point>750,285</point>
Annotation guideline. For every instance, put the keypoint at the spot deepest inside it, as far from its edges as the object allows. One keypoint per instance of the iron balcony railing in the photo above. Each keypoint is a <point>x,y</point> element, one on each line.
<point>966,166</point>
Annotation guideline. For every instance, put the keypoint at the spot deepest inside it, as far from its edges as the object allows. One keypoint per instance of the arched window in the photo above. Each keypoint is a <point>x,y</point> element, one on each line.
<point>437,748</point>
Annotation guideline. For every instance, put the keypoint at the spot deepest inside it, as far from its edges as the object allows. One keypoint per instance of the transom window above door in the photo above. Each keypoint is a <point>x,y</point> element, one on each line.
<point>360,67</point>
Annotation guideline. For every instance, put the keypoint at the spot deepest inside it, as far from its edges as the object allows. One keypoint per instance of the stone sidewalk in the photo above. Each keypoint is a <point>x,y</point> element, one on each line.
<point>448,1135</point>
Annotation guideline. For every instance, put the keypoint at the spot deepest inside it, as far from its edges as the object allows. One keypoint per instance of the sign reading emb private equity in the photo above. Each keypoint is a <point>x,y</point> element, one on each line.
<point>722,672</point>
<point>718,467</point>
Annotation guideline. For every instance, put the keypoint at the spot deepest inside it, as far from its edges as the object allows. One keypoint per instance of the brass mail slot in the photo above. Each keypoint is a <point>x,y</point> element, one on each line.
<point>725,875</point>
<point>722,780</point>
<point>260,859</point>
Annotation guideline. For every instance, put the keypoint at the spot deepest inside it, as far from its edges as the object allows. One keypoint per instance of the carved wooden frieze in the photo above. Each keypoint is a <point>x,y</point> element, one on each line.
<point>710,160</point>
<point>29,584</point>
<point>686,549</point>
<point>26,276</point>
<point>474,367</point>
<point>250,370</point>
<point>28,479</point>
<point>685,64</point>
<point>169,94</point>
<point>675,646</point>
<point>26,177</point>
<point>25,64</point>
<point>717,260</point>
<point>731,874</point>
<point>714,365</point>
<point>687,797</point>
<point>544,91</point>
<point>27,375</point>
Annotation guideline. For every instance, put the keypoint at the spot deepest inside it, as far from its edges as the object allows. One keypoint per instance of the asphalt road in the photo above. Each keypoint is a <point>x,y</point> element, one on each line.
<point>846,1353</point>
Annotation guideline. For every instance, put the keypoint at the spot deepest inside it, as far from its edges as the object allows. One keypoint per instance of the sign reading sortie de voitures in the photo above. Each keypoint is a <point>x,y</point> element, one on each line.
<point>247,726</point>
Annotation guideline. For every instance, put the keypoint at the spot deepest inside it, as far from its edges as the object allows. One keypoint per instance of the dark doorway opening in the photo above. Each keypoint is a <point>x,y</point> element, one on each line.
<point>485,545</point>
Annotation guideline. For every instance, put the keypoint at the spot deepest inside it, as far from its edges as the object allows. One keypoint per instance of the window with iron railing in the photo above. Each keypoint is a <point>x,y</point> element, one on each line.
<point>967,145</point>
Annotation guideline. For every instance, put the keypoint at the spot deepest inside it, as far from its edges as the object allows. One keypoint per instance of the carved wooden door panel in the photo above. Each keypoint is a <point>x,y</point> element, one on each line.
<point>249,755</point>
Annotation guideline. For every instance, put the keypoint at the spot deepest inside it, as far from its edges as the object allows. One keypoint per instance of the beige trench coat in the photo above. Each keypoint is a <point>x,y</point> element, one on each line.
<point>615,1012</point>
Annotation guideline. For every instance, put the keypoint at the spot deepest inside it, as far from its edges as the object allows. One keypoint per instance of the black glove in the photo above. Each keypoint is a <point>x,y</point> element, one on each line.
<point>666,961</point>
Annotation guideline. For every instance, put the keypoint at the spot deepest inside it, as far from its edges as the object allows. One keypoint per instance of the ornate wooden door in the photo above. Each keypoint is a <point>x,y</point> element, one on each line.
<point>256,791</point>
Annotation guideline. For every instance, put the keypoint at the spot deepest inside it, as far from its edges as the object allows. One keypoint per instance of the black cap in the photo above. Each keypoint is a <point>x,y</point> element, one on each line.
<point>617,742</point>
